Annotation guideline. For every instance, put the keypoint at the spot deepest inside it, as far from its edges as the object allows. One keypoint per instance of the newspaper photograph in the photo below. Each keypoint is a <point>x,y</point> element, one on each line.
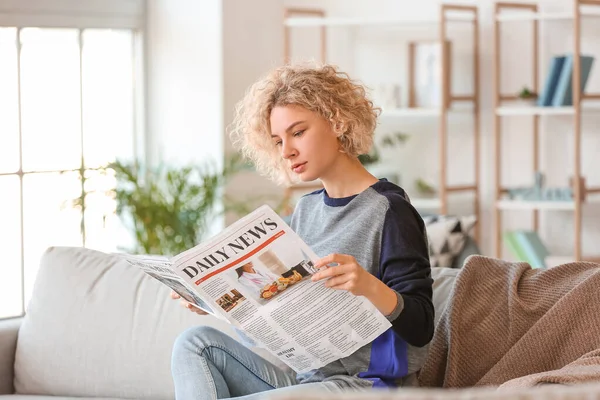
<point>256,275</point>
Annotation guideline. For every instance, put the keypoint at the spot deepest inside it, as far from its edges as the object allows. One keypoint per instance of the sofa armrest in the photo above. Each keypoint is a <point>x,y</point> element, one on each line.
<point>9,329</point>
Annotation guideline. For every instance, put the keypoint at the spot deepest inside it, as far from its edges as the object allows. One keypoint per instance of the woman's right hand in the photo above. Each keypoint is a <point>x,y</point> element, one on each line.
<point>187,305</point>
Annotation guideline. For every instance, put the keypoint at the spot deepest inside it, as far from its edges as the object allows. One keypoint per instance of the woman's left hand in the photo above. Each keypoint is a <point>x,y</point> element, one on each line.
<point>346,275</point>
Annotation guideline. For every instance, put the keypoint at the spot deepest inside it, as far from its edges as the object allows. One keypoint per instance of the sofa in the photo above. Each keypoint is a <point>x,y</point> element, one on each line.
<point>99,328</point>
<point>96,327</point>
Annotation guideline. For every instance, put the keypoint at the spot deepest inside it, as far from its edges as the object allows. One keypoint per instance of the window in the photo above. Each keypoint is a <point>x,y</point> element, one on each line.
<point>67,107</point>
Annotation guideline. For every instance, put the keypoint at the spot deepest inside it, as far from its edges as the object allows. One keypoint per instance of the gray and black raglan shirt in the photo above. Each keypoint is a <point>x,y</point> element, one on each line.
<point>386,235</point>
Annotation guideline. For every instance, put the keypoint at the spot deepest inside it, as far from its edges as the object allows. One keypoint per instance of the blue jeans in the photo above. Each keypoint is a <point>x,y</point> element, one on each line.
<point>208,364</point>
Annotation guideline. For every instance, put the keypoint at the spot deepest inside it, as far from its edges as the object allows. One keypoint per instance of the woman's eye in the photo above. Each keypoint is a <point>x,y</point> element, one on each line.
<point>299,133</point>
<point>278,143</point>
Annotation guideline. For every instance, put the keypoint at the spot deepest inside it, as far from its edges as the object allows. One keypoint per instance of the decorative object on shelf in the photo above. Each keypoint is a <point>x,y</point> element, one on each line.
<point>425,73</point>
<point>538,192</point>
<point>423,188</point>
<point>387,96</point>
<point>447,236</point>
<point>526,94</point>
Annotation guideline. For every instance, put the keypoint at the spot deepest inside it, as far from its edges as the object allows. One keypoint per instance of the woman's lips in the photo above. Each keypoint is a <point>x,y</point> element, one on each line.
<point>299,168</point>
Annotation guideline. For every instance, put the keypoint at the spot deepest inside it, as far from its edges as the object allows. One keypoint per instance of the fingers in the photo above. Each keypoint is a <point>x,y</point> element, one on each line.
<point>339,269</point>
<point>192,308</point>
<point>338,281</point>
<point>186,304</point>
<point>329,272</point>
<point>333,258</point>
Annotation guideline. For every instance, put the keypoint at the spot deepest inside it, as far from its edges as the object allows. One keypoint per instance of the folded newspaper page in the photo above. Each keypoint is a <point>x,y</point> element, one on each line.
<point>256,275</point>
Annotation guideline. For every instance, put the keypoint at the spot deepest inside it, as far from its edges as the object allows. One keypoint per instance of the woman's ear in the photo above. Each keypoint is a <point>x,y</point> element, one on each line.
<point>338,127</point>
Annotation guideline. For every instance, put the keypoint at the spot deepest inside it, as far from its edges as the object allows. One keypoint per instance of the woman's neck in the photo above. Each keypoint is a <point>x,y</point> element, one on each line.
<point>347,178</point>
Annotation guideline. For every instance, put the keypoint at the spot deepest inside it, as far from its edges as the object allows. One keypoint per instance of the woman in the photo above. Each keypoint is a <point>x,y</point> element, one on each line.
<point>254,280</point>
<point>306,123</point>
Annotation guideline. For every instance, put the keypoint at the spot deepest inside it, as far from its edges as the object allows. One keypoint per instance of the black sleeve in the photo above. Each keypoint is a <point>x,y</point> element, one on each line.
<point>404,267</point>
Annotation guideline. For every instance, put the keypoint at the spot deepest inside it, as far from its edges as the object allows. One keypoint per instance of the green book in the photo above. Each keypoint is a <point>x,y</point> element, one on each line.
<point>514,246</point>
<point>533,248</point>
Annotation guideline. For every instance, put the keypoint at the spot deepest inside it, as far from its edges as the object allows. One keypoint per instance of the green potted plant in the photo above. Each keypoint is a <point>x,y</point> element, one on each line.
<point>389,140</point>
<point>170,209</point>
<point>423,188</point>
<point>372,160</point>
<point>527,95</point>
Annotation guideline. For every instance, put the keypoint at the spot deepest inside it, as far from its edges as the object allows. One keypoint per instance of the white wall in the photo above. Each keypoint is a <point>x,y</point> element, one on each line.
<point>252,45</point>
<point>185,81</point>
<point>202,55</point>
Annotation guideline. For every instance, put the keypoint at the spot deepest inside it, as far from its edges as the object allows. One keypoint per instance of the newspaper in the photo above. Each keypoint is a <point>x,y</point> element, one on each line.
<point>256,275</point>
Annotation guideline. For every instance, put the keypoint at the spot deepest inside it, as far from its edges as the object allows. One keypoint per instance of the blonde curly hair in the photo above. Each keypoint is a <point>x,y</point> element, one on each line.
<point>322,89</point>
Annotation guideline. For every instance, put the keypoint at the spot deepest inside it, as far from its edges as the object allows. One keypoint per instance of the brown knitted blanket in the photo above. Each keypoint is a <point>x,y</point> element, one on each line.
<point>509,325</point>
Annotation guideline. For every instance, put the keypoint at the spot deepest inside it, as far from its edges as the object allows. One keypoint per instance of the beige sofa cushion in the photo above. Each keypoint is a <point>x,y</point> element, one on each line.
<point>97,327</point>
<point>443,280</point>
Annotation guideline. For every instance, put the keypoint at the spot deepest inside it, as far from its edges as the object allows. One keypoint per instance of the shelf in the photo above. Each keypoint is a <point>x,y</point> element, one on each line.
<point>340,21</point>
<point>420,111</point>
<point>535,205</point>
<point>533,110</point>
<point>549,16</point>
<point>411,112</point>
<point>426,204</point>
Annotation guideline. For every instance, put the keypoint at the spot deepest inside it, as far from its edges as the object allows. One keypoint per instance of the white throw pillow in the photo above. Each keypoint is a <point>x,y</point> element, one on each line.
<point>447,236</point>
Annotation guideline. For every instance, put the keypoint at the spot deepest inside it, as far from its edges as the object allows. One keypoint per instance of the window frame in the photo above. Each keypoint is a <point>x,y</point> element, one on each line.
<point>132,20</point>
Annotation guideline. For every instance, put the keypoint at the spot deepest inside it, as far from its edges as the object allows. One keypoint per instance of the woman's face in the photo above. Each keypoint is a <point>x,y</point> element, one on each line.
<point>305,140</point>
<point>248,268</point>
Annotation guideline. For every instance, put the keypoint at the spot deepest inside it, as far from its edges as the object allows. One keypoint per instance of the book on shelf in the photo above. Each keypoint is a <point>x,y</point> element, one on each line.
<point>563,94</point>
<point>533,247</point>
<point>556,64</point>
<point>528,247</point>
<point>558,87</point>
<point>513,246</point>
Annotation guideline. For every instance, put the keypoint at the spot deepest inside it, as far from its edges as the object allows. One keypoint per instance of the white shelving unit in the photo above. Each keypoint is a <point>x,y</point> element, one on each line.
<point>541,16</point>
<point>347,22</point>
<point>299,18</point>
<point>535,205</point>
<point>526,110</point>
<point>583,103</point>
<point>411,112</point>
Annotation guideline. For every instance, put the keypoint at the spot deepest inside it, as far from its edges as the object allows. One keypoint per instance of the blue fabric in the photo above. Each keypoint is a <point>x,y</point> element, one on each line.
<point>389,360</point>
<point>207,364</point>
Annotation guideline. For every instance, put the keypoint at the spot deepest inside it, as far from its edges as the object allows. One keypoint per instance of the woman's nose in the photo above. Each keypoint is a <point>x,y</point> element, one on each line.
<point>287,151</point>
